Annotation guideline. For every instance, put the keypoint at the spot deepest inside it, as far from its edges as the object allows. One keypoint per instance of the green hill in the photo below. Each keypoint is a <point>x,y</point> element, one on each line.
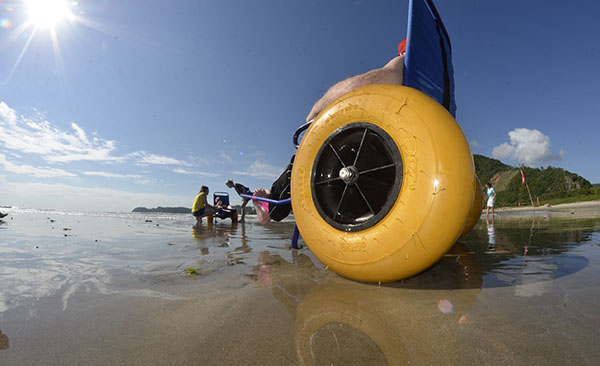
<point>487,168</point>
<point>550,185</point>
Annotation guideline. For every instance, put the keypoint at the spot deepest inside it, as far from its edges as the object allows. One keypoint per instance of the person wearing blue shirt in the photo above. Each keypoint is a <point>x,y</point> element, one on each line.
<point>491,192</point>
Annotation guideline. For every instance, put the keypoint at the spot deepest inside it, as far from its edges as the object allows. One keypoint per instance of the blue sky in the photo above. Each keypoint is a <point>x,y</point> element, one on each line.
<point>138,103</point>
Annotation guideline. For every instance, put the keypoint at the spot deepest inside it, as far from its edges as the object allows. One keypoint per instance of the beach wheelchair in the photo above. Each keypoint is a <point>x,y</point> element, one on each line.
<point>383,182</point>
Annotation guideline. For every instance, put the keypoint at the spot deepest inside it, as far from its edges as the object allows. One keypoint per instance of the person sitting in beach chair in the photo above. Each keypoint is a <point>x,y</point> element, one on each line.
<point>201,208</point>
<point>224,209</point>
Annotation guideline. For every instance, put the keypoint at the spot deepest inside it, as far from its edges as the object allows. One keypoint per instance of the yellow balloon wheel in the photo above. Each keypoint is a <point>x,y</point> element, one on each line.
<point>475,212</point>
<point>382,184</point>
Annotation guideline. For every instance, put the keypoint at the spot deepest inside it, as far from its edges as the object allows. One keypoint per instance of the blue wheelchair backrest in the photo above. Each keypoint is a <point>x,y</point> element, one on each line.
<point>428,60</point>
<point>224,196</point>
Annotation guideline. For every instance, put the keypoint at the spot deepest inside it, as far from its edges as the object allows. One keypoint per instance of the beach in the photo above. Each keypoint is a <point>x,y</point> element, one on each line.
<point>81,288</point>
<point>579,209</point>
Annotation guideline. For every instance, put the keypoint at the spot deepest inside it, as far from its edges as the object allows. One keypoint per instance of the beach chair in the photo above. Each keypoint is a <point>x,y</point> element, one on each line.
<point>224,213</point>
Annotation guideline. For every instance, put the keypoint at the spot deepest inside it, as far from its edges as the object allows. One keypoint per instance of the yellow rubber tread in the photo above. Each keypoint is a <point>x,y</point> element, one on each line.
<point>434,201</point>
<point>475,212</point>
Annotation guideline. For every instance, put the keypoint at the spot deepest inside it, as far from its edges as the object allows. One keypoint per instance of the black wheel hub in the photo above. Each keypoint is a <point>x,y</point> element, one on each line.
<point>356,177</point>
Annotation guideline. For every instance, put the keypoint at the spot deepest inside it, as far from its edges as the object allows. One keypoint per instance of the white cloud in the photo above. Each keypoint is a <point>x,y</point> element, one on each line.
<point>19,134</point>
<point>38,136</point>
<point>139,179</point>
<point>225,158</point>
<point>148,158</point>
<point>80,132</point>
<point>503,151</point>
<point>111,175</point>
<point>70,197</point>
<point>261,170</point>
<point>38,172</point>
<point>474,143</point>
<point>530,147</point>
<point>194,172</point>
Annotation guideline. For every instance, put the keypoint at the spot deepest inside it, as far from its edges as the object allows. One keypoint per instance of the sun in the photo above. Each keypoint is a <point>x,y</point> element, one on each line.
<point>46,14</point>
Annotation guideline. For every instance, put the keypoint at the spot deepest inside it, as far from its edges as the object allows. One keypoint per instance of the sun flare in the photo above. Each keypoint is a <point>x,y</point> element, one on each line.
<point>44,18</point>
<point>47,14</point>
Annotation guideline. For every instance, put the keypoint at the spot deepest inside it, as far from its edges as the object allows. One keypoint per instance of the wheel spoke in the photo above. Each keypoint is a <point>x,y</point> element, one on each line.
<point>364,198</point>
<point>328,181</point>
<point>360,146</point>
<point>337,210</point>
<point>375,186</point>
<point>336,154</point>
<point>370,165</point>
<point>378,168</point>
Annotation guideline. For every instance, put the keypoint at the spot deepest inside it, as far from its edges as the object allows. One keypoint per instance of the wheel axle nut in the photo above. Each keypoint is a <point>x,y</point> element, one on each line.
<point>349,174</point>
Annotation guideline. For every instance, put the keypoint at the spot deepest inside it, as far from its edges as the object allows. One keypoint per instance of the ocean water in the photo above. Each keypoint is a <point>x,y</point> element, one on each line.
<point>85,288</point>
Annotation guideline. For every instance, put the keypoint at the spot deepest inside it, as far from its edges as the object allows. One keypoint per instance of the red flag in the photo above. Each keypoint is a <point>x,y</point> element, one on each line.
<point>402,47</point>
<point>522,177</point>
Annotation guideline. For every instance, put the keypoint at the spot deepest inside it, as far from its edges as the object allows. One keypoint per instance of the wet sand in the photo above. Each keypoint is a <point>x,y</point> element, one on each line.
<point>114,290</point>
<point>579,209</point>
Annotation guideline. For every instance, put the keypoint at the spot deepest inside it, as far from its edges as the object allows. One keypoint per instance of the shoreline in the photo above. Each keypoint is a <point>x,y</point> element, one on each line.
<point>585,208</point>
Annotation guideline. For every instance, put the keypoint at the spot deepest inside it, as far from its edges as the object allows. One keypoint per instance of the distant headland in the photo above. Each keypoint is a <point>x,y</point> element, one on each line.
<point>163,209</point>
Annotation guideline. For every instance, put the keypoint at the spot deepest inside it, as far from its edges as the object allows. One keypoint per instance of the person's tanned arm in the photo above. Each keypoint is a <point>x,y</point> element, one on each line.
<point>391,73</point>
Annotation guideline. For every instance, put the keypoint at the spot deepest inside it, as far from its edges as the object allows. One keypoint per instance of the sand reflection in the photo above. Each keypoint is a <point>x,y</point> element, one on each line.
<point>3,341</point>
<point>345,322</point>
<point>338,321</point>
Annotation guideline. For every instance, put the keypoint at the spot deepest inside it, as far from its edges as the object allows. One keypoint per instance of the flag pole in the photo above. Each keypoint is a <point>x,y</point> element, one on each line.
<point>526,185</point>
